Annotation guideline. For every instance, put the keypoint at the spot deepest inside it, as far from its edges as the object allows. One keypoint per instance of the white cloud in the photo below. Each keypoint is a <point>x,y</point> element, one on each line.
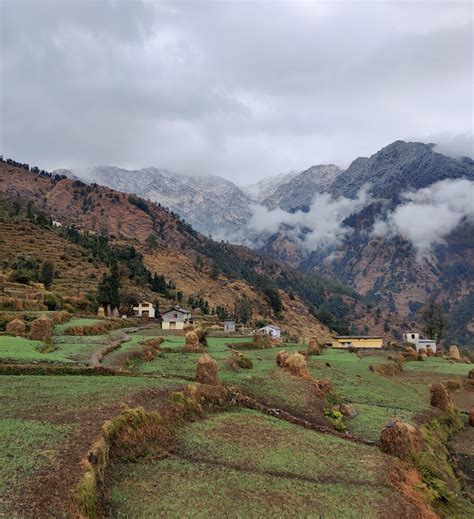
<point>427,216</point>
<point>320,228</point>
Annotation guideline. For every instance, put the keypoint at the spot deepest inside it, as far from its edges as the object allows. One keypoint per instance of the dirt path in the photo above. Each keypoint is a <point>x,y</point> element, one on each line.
<point>98,355</point>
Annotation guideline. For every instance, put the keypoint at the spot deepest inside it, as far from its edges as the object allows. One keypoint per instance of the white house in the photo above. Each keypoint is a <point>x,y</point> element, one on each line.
<point>414,338</point>
<point>411,337</point>
<point>229,326</point>
<point>271,330</point>
<point>144,309</point>
<point>176,318</point>
<point>426,344</point>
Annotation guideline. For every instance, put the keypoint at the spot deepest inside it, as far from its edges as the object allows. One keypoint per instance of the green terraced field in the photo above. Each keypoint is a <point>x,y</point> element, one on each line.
<point>242,464</point>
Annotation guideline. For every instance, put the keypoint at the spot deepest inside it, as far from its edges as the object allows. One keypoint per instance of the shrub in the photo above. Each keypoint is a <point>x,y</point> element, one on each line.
<point>52,301</point>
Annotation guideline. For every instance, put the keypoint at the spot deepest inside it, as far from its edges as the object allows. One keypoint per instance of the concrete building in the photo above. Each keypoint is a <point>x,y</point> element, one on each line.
<point>229,326</point>
<point>271,330</point>
<point>144,309</point>
<point>176,318</point>
<point>357,341</point>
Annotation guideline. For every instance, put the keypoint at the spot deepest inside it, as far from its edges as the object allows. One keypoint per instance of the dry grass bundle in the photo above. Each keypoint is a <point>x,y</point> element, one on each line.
<point>281,358</point>
<point>242,361</point>
<point>422,352</point>
<point>387,370</point>
<point>440,396</point>
<point>154,342</point>
<point>454,353</point>
<point>397,357</point>
<point>60,317</point>
<point>347,410</point>
<point>471,374</point>
<point>409,354</point>
<point>192,342</point>
<point>41,329</point>
<point>296,365</point>
<point>452,385</point>
<point>16,327</point>
<point>430,352</point>
<point>101,313</point>
<point>314,348</point>
<point>207,370</point>
<point>400,439</point>
<point>324,385</point>
<point>471,417</point>
<point>201,335</point>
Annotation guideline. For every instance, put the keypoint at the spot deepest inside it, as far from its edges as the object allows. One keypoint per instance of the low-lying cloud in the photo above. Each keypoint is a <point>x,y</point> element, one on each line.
<point>428,216</point>
<point>321,227</point>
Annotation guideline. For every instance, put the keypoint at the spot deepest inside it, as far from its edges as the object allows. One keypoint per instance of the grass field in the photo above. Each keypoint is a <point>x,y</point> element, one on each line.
<point>42,415</point>
<point>241,464</point>
<point>62,328</point>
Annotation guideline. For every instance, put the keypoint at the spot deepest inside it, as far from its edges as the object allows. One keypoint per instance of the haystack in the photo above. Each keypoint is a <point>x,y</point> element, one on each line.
<point>101,313</point>
<point>296,365</point>
<point>422,352</point>
<point>347,410</point>
<point>454,353</point>
<point>440,396</point>
<point>397,357</point>
<point>324,385</point>
<point>314,348</point>
<point>471,374</point>
<point>41,329</point>
<point>409,354</point>
<point>16,327</point>
<point>192,342</point>
<point>430,352</point>
<point>207,370</point>
<point>400,439</point>
<point>201,335</point>
<point>471,417</point>
<point>281,358</point>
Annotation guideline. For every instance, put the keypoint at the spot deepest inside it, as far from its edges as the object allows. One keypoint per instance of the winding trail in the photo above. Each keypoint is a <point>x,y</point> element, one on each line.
<point>98,355</point>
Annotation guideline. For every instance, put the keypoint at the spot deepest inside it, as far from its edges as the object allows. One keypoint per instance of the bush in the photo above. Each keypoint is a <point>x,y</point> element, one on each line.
<point>52,301</point>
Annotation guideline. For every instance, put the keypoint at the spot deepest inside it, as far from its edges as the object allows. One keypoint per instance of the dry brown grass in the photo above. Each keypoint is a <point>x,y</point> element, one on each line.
<point>16,327</point>
<point>400,439</point>
<point>41,329</point>
<point>296,365</point>
<point>440,396</point>
<point>207,370</point>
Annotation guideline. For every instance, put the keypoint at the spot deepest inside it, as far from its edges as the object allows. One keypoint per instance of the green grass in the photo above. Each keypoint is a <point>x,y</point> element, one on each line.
<point>61,328</point>
<point>438,365</point>
<point>242,464</point>
<point>59,397</point>
<point>25,350</point>
<point>111,358</point>
<point>25,447</point>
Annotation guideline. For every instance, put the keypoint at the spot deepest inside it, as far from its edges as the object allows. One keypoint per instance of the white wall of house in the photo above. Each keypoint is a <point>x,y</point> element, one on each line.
<point>272,331</point>
<point>144,308</point>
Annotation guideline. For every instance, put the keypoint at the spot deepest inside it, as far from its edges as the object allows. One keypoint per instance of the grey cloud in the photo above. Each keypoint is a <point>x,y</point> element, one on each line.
<point>427,216</point>
<point>240,89</point>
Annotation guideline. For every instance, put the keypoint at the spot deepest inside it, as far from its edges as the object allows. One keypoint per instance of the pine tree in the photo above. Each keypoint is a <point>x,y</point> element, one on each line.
<point>47,274</point>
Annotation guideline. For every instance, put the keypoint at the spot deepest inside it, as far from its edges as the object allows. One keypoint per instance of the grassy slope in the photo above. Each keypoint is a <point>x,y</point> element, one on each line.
<point>242,464</point>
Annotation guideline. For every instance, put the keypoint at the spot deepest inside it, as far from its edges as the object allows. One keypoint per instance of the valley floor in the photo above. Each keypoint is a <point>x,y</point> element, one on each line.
<point>231,463</point>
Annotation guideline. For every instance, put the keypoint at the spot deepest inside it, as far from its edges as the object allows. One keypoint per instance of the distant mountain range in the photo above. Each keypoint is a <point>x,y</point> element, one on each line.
<point>398,266</point>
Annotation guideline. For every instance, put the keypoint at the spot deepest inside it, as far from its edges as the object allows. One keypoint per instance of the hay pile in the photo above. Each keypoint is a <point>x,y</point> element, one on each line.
<point>324,385</point>
<point>454,353</point>
<point>471,374</point>
<point>314,348</point>
<point>430,352</point>
<point>41,329</point>
<point>16,327</point>
<point>422,352</point>
<point>387,370</point>
<point>471,417</point>
<point>409,354</point>
<point>347,410</point>
<point>201,335</point>
<point>400,439</point>
<point>192,342</point>
<point>281,358</point>
<point>397,357</point>
<point>207,370</point>
<point>242,361</point>
<point>439,352</point>
<point>296,365</point>
<point>101,313</point>
<point>440,396</point>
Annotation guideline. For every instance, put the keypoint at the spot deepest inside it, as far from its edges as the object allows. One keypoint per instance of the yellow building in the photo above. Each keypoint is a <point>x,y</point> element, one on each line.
<point>357,341</point>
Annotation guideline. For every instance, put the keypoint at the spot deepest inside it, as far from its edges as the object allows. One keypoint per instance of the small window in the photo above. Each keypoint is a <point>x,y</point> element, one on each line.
<point>412,335</point>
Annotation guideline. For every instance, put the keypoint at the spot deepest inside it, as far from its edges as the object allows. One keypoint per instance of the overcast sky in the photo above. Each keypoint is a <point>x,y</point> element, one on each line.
<point>240,89</point>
